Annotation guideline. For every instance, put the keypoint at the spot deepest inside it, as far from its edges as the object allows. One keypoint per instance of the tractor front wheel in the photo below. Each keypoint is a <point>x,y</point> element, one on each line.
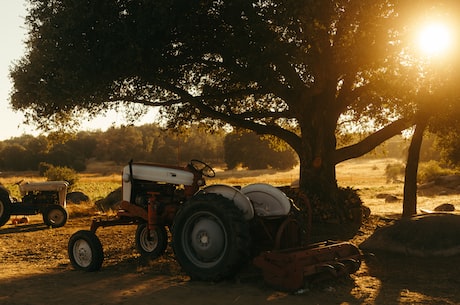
<point>55,216</point>
<point>211,238</point>
<point>151,243</point>
<point>85,251</point>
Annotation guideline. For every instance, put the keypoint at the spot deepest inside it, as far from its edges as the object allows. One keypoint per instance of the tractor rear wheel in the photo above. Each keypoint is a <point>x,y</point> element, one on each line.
<point>85,251</point>
<point>5,207</point>
<point>211,238</point>
<point>151,243</point>
<point>55,216</point>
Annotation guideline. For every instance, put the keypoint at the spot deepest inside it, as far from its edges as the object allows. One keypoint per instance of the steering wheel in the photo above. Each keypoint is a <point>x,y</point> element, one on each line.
<point>202,167</point>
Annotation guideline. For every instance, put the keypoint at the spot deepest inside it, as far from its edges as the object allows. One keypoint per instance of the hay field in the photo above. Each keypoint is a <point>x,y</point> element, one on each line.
<point>366,175</point>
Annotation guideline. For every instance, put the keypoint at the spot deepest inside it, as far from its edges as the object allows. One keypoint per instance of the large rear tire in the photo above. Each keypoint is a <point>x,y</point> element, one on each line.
<point>211,238</point>
<point>85,251</point>
<point>151,243</point>
<point>5,209</point>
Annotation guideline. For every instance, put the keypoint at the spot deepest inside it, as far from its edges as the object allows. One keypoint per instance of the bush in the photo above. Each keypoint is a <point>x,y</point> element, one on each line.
<point>429,171</point>
<point>61,173</point>
<point>43,167</point>
<point>393,171</point>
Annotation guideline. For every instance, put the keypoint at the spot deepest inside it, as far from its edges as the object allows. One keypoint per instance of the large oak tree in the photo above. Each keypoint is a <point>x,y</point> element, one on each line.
<point>296,70</point>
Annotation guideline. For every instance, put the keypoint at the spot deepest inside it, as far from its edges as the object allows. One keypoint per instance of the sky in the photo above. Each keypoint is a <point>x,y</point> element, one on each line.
<point>13,35</point>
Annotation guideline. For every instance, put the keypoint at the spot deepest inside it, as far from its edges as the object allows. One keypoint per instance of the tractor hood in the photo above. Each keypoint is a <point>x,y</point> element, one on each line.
<point>149,172</point>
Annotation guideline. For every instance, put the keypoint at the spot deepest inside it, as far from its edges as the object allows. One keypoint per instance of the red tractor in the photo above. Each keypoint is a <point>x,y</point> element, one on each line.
<point>215,229</point>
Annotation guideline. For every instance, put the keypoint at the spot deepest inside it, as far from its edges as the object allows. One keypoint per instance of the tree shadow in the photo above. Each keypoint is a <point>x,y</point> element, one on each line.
<point>432,280</point>
<point>133,281</point>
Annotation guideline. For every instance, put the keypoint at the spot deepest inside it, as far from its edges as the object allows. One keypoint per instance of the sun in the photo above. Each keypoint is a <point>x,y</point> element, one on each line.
<point>435,38</point>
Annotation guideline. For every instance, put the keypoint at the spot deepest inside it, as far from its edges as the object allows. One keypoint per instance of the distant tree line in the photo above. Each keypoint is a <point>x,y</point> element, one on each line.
<point>149,143</point>
<point>247,149</point>
<point>152,143</point>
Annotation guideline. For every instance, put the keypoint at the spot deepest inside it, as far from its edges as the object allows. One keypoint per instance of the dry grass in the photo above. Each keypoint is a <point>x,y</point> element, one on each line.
<point>369,177</point>
<point>366,175</point>
<point>245,177</point>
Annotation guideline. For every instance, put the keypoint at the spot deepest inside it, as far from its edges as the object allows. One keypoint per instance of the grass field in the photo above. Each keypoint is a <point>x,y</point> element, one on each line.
<point>366,175</point>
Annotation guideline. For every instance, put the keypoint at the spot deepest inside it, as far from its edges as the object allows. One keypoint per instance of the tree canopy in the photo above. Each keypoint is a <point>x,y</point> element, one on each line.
<point>296,70</point>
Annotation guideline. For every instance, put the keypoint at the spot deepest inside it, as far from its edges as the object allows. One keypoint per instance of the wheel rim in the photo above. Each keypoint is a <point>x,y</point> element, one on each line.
<point>2,207</point>
<point>205,239</point>
<point>82,253</point>
<point>56,216</point>
<point>148,242</point>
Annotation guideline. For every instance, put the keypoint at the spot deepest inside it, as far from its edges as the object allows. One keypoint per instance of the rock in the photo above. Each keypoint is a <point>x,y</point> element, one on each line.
<point>77,197</point>
<point>426,185</point>
<point>425,235</point>
<point>445,207</point>
<point>387,197</point>
<point>391,198</point>
<point>450,181</point>
<point>110,201</point>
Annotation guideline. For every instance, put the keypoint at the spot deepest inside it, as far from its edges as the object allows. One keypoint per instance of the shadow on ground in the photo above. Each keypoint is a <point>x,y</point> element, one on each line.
<point>415,280</point>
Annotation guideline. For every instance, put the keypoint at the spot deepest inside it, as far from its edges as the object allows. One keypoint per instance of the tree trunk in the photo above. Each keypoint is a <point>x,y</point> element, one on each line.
<point>318,144</point>
<point>318,176</point>
<point>410,180</point>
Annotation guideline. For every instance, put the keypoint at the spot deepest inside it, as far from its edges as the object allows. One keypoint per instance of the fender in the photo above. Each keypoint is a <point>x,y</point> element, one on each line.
<point>267,199</point>
<point>234,194</point>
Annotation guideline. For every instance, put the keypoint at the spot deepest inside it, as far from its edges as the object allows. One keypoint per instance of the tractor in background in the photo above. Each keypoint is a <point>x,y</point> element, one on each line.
<point>46,198</point>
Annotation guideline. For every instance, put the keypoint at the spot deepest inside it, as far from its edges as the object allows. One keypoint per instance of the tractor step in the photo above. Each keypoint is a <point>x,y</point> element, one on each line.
<point>289,269</point>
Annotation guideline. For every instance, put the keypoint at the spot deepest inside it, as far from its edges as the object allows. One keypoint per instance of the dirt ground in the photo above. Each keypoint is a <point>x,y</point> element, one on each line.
<point>35,269</point>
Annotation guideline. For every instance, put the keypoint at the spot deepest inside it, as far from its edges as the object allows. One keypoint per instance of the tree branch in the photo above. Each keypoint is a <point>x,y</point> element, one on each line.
<point>234,119</point>
<point>372,141</point>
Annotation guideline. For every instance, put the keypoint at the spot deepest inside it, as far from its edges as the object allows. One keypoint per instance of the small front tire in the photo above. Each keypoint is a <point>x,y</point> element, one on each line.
<point>151,243</point>
<point>55,216</point>
<point>85,251</point>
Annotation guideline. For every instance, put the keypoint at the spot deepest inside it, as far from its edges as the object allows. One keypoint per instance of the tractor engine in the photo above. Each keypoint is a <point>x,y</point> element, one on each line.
<point>41,197</point>
<point>165,193</point>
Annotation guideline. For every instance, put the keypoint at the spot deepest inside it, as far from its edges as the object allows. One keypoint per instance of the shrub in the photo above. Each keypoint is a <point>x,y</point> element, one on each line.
<point>43,167</point>
<point>429,171</point>
<point>393,171</point>
<point>61,173</point>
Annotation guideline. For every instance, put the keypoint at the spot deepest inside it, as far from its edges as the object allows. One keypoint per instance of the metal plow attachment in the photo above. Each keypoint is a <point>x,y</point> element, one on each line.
<point>288,269</point>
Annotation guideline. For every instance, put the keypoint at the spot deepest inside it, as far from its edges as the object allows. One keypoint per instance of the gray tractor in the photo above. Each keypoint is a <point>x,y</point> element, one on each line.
<point>46,198</point>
